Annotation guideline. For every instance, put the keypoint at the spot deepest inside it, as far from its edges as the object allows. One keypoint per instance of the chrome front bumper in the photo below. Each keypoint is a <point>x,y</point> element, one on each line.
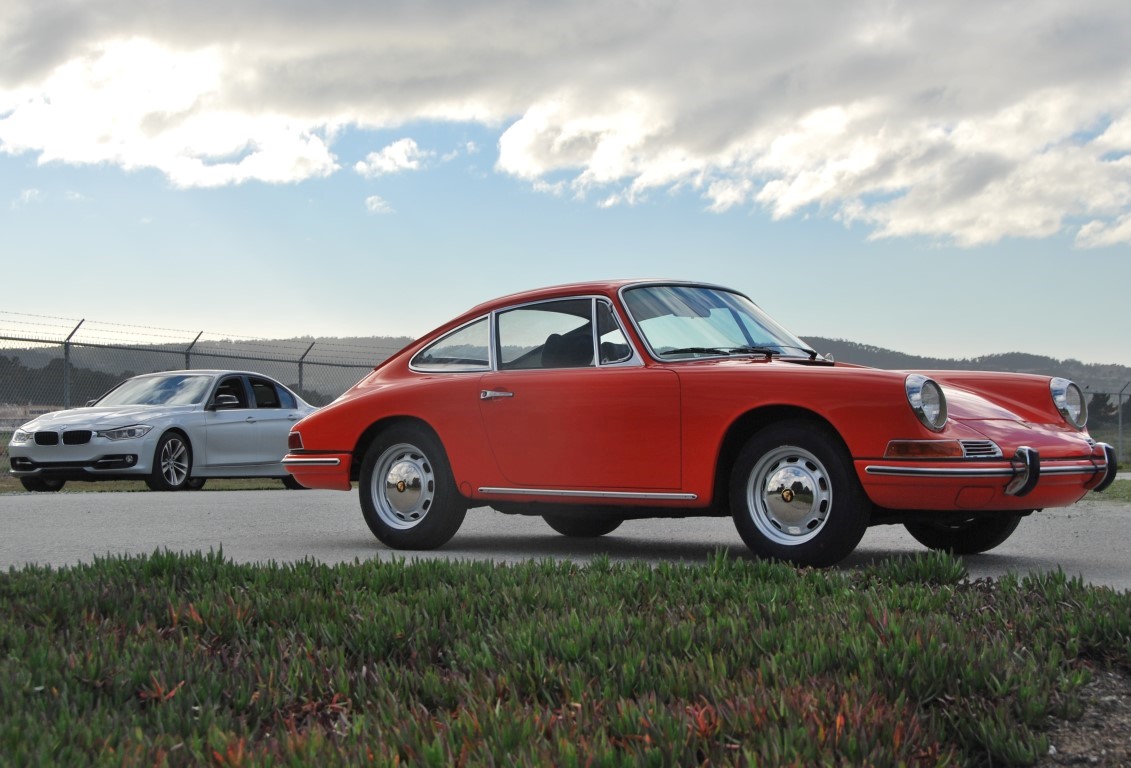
<point>1023,472</point>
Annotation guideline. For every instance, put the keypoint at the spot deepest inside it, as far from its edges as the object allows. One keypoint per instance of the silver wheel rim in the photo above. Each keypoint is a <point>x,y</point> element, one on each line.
<point>403,486</point>
<point>789,495</point>
<point>174,461</point>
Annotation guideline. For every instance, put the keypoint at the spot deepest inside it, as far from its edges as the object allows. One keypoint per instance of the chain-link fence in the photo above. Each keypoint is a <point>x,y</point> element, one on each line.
<point>47,364</point>
<point>51,363</point>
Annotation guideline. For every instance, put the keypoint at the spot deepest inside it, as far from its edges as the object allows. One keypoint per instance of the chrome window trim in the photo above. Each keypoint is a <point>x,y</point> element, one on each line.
<point>633,361</point>
<point>490,351</point>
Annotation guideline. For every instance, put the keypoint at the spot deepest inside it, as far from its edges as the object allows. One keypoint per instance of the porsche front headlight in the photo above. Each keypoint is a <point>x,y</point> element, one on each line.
<point>1069,400</point>
<point>131,432</point>
<point>927,401</point>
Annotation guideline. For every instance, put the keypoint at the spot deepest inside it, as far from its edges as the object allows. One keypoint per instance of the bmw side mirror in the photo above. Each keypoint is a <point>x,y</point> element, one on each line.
<point>225,402</point>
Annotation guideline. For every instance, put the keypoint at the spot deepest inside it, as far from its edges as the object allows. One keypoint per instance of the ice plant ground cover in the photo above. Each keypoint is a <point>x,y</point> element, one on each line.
<point>174,659</point>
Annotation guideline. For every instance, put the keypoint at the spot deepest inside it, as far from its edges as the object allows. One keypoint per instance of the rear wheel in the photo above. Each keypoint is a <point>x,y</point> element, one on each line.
<point>968,536</point>
<point>42,484</point>
<point>795,497</point>
<point>582,527</point>
<point>195,483</point>
<point>172,463</point>
<point>291,484</point>
<point>408,496</point>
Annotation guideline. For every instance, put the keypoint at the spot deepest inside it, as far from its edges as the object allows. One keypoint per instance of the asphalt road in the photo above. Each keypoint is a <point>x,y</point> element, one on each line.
<point>1090,540</point>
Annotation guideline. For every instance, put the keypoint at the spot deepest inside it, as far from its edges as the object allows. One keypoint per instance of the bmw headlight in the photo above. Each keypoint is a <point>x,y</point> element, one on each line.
<point>1069,400</point>
<point>19,437</point>
<point>927,401</point>
<point>131,432</point>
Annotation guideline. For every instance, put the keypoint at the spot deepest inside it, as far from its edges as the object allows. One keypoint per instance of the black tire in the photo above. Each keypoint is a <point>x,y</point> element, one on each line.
<point>408,496</point>
<point>195,483</point>
<point>172,463</point>
<point>795,497</point>
<point>291,484</point>
<point>968,536</point>
<point>42,484</point>
<point>582,527</point>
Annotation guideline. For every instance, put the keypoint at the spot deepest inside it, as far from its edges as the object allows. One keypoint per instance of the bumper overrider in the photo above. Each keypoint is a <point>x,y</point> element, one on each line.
<point>1021,474</point>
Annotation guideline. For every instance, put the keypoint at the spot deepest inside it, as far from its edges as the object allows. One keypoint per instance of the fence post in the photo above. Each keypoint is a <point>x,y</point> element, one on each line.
<point>188,350</point>
<point>1119,407</point>
<point>67,365</point>
<point>301,365</point>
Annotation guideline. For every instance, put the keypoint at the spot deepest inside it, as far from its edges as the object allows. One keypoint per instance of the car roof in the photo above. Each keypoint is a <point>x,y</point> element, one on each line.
<point>597,287</point>
<point>201,372</point>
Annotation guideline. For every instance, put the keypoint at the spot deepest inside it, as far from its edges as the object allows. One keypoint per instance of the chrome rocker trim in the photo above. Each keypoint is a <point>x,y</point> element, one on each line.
<point>589,494</point>
<point>305,462</point>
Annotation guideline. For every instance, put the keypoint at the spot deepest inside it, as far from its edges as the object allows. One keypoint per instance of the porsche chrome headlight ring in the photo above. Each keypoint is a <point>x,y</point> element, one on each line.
<point>927,401</point>
<point>1069,400</point>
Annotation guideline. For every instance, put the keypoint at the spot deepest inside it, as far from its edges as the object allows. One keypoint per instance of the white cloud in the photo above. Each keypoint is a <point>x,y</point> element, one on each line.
<point>27,197</point>
<point>376,205</point>
<point>401,155</point>
<point>963,121</point>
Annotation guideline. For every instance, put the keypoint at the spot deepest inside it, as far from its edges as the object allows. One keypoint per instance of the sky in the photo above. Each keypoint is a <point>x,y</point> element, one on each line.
<point>944,179</point>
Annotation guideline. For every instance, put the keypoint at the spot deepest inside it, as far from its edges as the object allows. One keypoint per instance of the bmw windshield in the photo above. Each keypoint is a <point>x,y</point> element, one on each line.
<point>178,389</point>
<point>680,322</point>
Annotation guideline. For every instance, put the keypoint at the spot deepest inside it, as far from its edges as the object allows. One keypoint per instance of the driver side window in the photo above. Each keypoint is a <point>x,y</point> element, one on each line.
<point>553,334</point>
<point>233,386</point>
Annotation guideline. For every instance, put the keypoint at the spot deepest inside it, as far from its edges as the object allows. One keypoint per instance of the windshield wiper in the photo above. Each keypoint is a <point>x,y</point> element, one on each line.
<point>697,350</point>
<point>769,353</point>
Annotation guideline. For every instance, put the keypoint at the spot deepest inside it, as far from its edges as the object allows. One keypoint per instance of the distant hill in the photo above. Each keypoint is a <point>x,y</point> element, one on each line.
<point>1090,376</point>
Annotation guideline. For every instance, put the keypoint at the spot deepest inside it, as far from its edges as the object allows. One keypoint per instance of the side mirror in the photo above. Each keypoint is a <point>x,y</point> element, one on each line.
<point>225,402</point>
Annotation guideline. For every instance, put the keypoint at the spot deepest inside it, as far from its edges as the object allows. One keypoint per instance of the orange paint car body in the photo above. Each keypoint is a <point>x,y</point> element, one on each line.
<point>658,436</point>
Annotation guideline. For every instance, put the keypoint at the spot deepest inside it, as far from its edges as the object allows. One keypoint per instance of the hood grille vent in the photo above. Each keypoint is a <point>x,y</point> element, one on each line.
<point>980,449</point>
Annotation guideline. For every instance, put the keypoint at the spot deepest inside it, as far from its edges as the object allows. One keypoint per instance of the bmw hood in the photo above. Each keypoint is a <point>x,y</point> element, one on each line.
<point>104,418</point>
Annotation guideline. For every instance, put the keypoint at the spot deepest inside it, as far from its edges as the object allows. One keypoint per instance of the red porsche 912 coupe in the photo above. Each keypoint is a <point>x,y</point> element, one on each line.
<point>590,404</point>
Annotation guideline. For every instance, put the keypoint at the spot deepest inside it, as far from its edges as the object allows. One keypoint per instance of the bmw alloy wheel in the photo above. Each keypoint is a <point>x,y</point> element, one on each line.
<point>172,463</point>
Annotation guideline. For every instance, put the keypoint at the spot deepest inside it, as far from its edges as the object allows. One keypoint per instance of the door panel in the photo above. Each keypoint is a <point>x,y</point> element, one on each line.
<point>608,428</point>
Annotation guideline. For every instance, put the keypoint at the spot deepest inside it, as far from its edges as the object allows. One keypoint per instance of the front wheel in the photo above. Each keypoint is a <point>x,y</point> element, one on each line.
<point>969,536</point>
<point>172,463</point>
<point>795,497</point>
<point>42,484</point>
<point>408,496</point>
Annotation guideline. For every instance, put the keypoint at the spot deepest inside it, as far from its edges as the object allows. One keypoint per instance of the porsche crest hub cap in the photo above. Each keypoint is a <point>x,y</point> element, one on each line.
<point>404,486</point>
<point>790,495</point>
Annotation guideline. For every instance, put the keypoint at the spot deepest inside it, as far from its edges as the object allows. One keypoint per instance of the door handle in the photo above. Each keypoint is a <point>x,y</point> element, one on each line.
<point>491,394</point>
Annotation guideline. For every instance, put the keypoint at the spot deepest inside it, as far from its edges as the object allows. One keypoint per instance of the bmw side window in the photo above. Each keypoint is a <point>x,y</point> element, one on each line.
<point>613,345</point>
<point>464,349</point>
<point>265,394</point>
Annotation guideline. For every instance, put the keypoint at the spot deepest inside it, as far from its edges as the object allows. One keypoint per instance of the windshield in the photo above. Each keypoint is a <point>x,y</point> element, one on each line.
<point>177,389</point>
<point>680,322</point>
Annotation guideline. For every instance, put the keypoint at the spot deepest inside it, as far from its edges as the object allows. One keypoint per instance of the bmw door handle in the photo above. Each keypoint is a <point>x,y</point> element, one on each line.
<point>491,394</point>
